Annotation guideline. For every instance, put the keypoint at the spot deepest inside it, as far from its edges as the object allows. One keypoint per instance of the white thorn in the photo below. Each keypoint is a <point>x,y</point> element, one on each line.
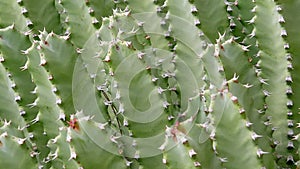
<point>33,104</point>
<point>69,138</point>
<point>95,21</point>
<point>254,9</point>
<point>194,9</point>
<point>73,153</point>
<point>62,116</point>
<point>278,8</point>
<point>260,152</point>
<point>170,117</point>
<point>141,55</point>
<point>197,164</point>
<point>107,58</point>
<point>22,112</point>
<point>1,59</point>
<point>251,21</point>
<point>102,125</point>
<point>266,93</point>
<point>160,90</point>
<point>79,51</point>
<point>286,46</point>
<point>248,124</point>
<point>234,98</point>
<point>50,77</point>
<point>242,110</point>
<point>128,163</point>
<point>154,79</point>
<point>197,22</point>
<point>252,34</point>
<point>54,89</point>
<point>247,85</point>
<point>263,81</point>
<point>121,108</point>
<point>21,141</point>
<point>166,104</point>
<point>125,122</point>
<point>254,136</point>
<point>281,19</point>
<point>137,155</point>
<point>58,101</point>
<point>192,152</point>
<point>118,95</point>
<point>296,137</point>
<point>3,135</point>
<point>93,75</point>
<point>283,32</point>
<point>17,98</point>
<point>113,139</point>
<point>234,79</point>
<point>223,160</point>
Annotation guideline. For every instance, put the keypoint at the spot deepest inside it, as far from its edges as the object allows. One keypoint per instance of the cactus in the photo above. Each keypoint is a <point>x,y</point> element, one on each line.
<point>152,84</point>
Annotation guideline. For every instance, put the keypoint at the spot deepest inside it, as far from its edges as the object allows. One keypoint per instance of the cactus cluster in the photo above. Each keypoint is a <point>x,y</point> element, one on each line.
<point>149,84</point>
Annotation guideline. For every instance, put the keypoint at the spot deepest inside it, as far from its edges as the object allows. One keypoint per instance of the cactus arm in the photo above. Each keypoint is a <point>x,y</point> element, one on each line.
<point>49,116</point>
<point>14,137</point>
<point>11,46</point>
<point>268,34</point>
<point>10,112</point>
<point>243,153</point>
<point>60,57</point>
<point>291,24</point>
<point>248,91</point>
<point>46,96</point>
<point>43,14</point>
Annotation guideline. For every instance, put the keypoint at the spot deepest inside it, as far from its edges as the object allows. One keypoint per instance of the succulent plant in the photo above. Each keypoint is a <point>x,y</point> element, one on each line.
<point>149,84</point>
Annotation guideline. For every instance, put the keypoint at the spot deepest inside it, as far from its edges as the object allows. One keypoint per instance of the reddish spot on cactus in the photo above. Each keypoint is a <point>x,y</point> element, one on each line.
<point>222,47</point>
<point>46,43</point>
<point>176,129</point>
<point>73,124</point>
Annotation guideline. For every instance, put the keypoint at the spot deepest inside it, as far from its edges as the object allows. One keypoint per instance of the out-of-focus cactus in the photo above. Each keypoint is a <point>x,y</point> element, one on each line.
<point>149,84</point>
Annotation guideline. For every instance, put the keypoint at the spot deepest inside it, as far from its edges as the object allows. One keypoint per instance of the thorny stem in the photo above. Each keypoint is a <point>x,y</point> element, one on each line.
<point>114,109</point>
